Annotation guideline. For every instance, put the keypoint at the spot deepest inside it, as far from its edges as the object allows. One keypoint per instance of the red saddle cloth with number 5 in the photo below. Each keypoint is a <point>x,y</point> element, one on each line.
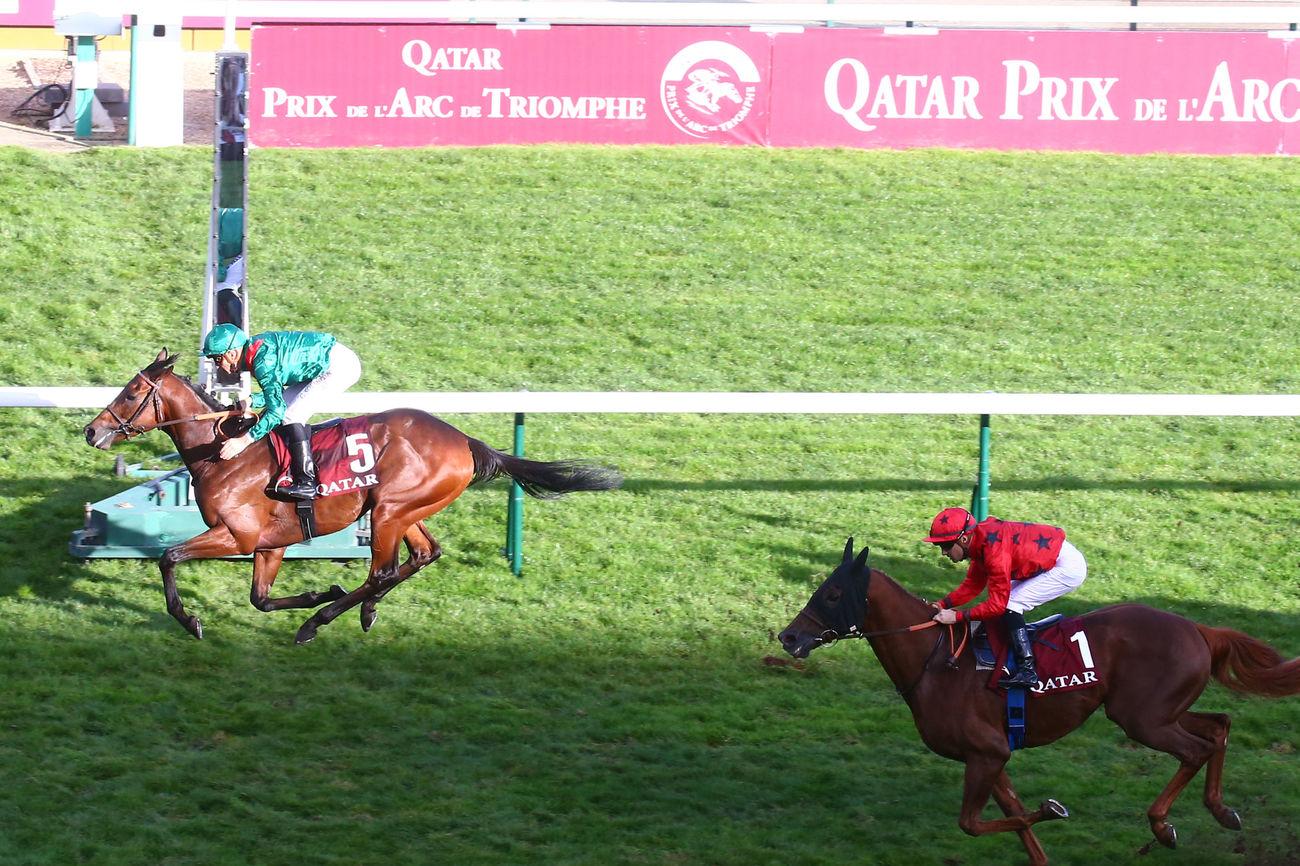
<point>343,453</point>
<point>1063,657</point>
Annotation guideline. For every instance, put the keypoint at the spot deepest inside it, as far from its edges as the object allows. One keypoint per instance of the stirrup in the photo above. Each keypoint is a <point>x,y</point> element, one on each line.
<point>304,490</point>
<point>1024,677</point>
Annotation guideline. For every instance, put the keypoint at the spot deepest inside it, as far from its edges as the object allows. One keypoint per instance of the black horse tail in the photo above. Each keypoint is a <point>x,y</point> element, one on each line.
<point>543,480</point>
<point>1245,664</point>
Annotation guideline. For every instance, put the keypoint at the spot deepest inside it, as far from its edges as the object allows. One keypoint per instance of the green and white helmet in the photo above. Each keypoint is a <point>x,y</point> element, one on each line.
<point>222,339</point>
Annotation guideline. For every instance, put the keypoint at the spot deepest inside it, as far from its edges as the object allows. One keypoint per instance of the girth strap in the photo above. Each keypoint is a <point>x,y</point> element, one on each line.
<point>306,509</point>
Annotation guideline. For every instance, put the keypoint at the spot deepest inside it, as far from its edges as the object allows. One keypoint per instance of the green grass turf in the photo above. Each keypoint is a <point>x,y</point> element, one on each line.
<point>611,706</point>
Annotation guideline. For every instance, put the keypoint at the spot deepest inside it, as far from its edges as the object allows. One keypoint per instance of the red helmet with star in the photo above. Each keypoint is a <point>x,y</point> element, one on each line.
<point>950,523</point>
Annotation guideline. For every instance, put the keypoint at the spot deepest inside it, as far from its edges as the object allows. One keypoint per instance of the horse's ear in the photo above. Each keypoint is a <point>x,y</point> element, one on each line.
<point>861,561</point>
<point>164,361</point>
<point>848,549</point>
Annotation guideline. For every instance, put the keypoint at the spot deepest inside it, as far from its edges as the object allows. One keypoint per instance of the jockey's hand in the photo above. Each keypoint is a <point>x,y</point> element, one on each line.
<point>946,617</point>
<point>234,447</point>
<point>244,408</point>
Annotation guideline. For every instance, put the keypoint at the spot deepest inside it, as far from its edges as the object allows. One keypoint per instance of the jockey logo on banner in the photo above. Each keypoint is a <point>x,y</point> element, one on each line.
<point>708,87</point>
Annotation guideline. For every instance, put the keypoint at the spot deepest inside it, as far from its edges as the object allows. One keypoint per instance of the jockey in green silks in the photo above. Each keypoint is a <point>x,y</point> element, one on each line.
<point>297,372</point>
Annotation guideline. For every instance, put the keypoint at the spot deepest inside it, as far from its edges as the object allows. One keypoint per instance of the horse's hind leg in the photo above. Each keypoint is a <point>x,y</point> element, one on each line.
<point>423,548</point>
<point>266,565</point>
<point>1214,727</point>
<point>1191,750</point>
<point>1006,798</point>
<point>387,529</point>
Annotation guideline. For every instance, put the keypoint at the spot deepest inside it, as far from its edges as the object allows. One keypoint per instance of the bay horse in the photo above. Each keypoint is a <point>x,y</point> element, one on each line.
<point>1152,666</point>
<point>423,464</point>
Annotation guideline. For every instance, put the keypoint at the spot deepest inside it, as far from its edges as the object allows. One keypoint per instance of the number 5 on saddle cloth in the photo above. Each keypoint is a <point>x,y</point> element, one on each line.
<point>344,458</point>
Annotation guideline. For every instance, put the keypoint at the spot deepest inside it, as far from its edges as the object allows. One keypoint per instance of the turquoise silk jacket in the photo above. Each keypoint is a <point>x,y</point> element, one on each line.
<point>278,359</point>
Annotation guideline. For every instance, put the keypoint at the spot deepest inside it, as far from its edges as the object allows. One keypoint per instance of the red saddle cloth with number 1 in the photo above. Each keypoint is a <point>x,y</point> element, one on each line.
<point>1062,655</point>
<point>343,453</point>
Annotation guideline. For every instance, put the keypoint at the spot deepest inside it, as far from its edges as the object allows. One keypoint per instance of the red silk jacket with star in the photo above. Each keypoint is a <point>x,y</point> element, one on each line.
<point>1002,551</point>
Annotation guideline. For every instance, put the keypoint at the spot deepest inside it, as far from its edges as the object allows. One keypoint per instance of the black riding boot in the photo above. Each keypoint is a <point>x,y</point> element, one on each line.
<point>297,437</point>
<point>1026,676</point>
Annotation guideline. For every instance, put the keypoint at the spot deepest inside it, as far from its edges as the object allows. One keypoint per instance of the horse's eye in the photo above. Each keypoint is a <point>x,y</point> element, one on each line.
<point>833,595</point>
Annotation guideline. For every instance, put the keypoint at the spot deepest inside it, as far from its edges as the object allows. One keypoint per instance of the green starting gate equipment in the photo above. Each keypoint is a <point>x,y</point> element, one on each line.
<point>145,520</point>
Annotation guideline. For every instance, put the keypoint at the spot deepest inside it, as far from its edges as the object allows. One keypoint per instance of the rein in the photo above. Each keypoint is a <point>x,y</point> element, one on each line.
<point>202,416</point>
<point>957,648</point>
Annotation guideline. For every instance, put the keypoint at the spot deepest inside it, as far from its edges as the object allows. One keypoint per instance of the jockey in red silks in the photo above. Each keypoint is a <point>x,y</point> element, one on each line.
<point>298,371</point>
<point>1022,564</point>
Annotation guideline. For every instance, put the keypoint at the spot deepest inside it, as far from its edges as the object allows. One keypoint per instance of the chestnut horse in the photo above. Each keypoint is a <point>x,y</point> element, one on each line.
<point>423,464</point>
<point>1152,666</point>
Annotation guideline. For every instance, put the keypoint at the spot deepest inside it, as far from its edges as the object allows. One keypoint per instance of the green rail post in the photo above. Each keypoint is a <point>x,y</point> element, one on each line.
<point>979,501</point>
<point>85,96</point>
<point>515,508</point>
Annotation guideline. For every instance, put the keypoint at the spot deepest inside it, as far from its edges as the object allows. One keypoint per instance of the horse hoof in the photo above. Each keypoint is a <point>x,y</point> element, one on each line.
<point>368,617</point>
<point>1053,810</point>
<point>1166,835</point>
<point>194,627</point>
<point>1228,818</point>
<point>306,634</point>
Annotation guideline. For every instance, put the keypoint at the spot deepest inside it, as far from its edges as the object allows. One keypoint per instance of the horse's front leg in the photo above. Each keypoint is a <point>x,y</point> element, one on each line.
<point>1006,798</point>
<point>266,565</point>
<point>216,542</point>
<point>982,774</point>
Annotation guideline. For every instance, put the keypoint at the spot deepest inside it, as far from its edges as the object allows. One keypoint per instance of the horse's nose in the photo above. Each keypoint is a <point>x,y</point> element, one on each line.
<point>787,638</point>
<point>91,434</point>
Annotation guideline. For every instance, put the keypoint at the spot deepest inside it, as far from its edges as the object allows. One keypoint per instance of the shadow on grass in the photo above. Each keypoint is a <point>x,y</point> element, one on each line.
<point>448,738</point>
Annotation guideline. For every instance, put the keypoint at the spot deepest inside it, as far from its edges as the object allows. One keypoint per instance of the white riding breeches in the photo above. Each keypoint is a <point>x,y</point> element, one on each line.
<point>306,398</point>
<point>1062,578</point>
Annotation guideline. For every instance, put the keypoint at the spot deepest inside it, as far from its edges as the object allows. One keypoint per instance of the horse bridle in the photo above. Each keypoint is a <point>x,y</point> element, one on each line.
<point>854,631</point>
<point>129,428</point>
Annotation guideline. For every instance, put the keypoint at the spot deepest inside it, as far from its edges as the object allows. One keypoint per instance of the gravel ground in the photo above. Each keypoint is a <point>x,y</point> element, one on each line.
<point>52,67</point>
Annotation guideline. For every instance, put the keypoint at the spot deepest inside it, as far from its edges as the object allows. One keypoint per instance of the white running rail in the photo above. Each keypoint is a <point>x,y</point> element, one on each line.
<point>731,403</point>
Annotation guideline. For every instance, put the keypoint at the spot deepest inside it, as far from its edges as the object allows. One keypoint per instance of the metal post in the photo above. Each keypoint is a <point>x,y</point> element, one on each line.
<point>979,505</point>
<point>86,76</point>
<point>131,106</point>
<point>515,508</point>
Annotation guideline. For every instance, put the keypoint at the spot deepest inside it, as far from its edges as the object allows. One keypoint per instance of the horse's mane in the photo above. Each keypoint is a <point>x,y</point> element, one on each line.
<point>207,398</point>
<point>902,590</point>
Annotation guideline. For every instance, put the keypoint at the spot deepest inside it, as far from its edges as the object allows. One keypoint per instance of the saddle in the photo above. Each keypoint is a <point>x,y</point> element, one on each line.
<point>344,458</point>
<point>985,658</point>
<point>1064,663</point>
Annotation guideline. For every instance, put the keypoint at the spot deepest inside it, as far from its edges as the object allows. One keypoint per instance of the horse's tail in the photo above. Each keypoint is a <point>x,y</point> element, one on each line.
<point>543,480</point>
<point>1245,664</point>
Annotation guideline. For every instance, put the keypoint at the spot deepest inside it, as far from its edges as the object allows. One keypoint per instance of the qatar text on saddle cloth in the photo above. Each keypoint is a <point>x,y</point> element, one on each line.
<point>1064,659</point>
<point>344,457</point>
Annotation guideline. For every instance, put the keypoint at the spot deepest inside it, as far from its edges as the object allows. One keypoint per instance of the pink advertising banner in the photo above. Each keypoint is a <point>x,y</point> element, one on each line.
<point>1120,92</point>
<point>27,13</point>
<point>343,85</point>
<point>412,85</point>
